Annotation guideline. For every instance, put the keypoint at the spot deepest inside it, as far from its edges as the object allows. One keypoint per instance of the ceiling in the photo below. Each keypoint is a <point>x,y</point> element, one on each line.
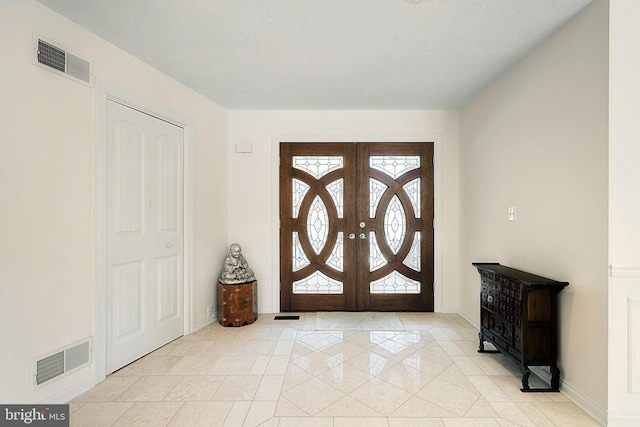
<point>326,54</point>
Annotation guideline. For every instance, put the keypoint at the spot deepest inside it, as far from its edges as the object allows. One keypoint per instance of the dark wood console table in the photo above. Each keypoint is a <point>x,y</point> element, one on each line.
<point>518,315</point>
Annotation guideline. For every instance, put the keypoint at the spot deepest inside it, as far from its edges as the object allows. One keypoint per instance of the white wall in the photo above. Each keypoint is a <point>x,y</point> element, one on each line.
<point>624,214</point>
<point>47,193</point>
<point>253,191</point>
<point>537,140</point>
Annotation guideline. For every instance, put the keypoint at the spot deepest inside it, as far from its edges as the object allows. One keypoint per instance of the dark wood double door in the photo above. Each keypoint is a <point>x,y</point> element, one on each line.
<point>356,226</point>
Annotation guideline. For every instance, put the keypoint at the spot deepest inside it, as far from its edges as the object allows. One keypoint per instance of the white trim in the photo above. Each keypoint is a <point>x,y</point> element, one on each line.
<point>583,402</point>
<point>104,93</point>
<point>276,140</point>
<point>624,271</point>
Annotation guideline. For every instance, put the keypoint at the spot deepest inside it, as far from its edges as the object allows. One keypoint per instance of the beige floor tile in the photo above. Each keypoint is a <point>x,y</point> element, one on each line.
<point>259,413</point>
<point>406,378</point>
<point>144,414</point>
<point>488,389</point>
<point>226,347</point>
<point>306,422</point>
<point>348,407</point>
<point>451,397</point>
<point>277,365</point>
<point>455,376</point>
<point>511,412</point>
<point>282,374</point>
<point>201,414</point>
<point>108,390</point>
<point>238,387</point>
<point>481,409</point>
<point>420,408</point>
<point>269,388</point>
<point>315,363</point>
<point>313,395</point>
<point>259,348</point>
<point>381,395</point>
<point>470,422</point>
<point>193,365</point>
<point>99,414</point>
<point>191,348</point>
<point>232,365</point>
<point>345,378</point>
<point>237,414</point>
<point>286,408</point>
<point>283,348</point>
<point>539,419</point>
<point>294,376</point>
<point>415,422</point>
<point>195,388</point>
<point>565,414</point>
<point>260,365</point>
<point>371,362</point>
<point>360,422</point>
<point>152,388</point>
<point>467,365</point>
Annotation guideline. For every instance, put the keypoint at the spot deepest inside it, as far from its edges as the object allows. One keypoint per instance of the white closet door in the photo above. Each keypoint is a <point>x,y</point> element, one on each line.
<point>144,234</point>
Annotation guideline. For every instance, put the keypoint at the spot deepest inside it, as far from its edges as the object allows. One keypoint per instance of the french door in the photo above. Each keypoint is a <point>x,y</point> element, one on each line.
<point>356,226</point>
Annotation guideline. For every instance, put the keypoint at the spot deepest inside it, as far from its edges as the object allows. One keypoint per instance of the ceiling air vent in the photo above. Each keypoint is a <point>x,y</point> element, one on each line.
<point>58,60</point>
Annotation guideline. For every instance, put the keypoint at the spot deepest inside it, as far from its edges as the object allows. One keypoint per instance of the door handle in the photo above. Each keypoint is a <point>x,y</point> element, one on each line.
<point>351,236</point>
<point>363,236</point>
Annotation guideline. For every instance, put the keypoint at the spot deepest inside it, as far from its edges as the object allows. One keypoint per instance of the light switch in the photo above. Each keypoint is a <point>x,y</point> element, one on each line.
<point>511,213</point>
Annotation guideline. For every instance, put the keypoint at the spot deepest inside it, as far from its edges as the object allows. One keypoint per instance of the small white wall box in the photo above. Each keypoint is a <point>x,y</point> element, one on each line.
<point>244,148</point>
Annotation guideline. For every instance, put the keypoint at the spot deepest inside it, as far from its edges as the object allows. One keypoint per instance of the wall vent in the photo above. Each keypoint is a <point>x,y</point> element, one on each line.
<point>62,361</point>
<point>58,60</point>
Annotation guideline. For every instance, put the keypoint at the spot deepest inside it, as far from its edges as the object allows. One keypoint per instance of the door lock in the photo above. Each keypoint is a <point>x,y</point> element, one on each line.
<point>363,236</point>
<point>363,225</point>
<point>351,236</point>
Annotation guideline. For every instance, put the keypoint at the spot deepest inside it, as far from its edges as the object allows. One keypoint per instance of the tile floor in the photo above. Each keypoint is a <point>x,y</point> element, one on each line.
<point>281,373</point>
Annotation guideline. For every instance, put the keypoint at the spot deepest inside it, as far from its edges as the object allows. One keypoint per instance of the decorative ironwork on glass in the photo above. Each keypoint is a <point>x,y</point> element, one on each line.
<point>317,283</point>
<point>395,283</point>
<point>412,188</point>
<point>376,259</point>
<point>336,190</point>
<point>300,260</point>
<point>317,166</point>
<point>336,258</point>
<point>318,224</point>
<point>376,190</point>
<point>413,258</point>
<point>394,166</point>
<point>299,190</point>
<point>395,224</point>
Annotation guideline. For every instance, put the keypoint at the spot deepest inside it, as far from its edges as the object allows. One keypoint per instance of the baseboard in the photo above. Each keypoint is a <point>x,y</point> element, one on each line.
<point>623,420</point>
<point>587,405</point>
<point>70,393</point>
<point>205,322</point>
<point>473,321</point>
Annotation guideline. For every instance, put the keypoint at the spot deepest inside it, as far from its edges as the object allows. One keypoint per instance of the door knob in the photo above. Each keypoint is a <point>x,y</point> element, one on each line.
<point>363,236</point>
<point>362,224</point>
<point>351,236</point>
<point>169,245</point>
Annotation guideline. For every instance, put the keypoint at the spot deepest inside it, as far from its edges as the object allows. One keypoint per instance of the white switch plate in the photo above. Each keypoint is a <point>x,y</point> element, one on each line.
<point>511,213</point>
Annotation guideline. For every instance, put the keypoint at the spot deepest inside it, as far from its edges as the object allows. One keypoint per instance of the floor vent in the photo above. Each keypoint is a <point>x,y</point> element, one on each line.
<point>287,318</point>
<point>62,361</point>
<point>58,60</point>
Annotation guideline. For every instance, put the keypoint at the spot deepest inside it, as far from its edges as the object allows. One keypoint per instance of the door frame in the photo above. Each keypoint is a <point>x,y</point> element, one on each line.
<point>276,140</point>
<point>104,93</point>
